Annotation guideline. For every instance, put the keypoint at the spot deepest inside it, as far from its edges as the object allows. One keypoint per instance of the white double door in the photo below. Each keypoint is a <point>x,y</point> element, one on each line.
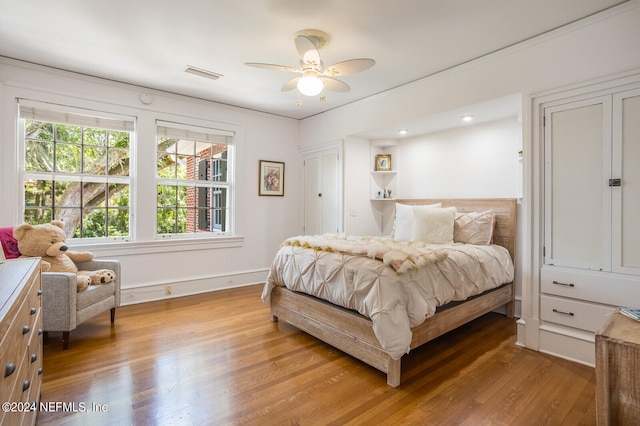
<point>592,183</point>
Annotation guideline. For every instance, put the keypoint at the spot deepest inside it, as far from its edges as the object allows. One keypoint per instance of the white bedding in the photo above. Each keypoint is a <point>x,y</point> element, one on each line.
<point>394,301</point>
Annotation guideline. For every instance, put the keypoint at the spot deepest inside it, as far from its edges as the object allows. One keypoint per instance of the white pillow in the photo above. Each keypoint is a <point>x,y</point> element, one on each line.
<point>434,226</point>
<point>474,227</point>
<point>403,224</point>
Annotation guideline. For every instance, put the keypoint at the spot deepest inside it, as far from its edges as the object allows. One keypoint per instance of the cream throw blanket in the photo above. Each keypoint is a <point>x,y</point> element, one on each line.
<point>401,255</point>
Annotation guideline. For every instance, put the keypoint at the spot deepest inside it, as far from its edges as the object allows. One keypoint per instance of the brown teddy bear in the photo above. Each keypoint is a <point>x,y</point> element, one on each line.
<point>48,241</point>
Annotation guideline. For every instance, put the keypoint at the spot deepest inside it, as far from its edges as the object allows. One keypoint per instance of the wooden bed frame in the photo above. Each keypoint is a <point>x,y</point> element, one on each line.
<point>353,333</point>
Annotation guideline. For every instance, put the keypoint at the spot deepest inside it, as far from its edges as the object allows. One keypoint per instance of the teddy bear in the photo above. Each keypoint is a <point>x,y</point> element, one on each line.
<point>48,241</point>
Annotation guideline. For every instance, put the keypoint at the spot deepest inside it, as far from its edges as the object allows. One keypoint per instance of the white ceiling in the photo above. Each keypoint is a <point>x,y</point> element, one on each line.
<point>150,42</point>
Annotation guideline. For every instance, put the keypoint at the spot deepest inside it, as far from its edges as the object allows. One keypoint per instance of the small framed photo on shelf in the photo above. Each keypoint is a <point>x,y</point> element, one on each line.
<point>271,175</point>
<point>383,162</point>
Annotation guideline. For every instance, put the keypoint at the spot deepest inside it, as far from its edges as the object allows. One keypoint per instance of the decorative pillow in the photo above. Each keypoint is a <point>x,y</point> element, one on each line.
<point>434,226</point>
<point>474,227</point>
<point>403,224</point>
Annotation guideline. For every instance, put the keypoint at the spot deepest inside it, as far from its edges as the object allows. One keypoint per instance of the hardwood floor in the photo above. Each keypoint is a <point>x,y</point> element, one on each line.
<point>217,358</point>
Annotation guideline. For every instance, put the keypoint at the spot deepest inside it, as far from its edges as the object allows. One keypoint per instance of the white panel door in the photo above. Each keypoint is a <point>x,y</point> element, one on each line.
<point>322,193</point>
<point>577,196</point>
<point>626,197</point>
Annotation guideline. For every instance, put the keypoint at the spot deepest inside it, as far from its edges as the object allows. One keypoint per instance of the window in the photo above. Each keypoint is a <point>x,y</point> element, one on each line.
<point>193,180</point>
<point>76,169</point>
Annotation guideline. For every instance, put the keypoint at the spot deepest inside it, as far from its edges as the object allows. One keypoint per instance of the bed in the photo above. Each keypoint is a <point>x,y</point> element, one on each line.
<point>362,328</point>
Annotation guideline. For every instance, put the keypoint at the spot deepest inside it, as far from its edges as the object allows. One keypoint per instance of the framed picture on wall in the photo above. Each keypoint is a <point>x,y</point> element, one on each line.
<point>271,174</point>
<point>383,162</point>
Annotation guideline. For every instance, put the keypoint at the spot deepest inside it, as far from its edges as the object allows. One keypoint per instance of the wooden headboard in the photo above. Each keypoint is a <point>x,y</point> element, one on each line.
<point>504,233</point>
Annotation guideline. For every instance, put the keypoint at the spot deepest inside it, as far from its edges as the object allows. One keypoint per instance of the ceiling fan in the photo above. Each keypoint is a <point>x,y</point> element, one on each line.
<point>314,77</point>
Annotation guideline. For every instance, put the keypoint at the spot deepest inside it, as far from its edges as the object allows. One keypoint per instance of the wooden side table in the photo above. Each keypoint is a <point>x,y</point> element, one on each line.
<point>618,371</point>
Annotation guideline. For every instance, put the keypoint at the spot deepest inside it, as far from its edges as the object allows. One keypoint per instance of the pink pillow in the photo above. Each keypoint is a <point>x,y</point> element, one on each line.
<point>9,244</point>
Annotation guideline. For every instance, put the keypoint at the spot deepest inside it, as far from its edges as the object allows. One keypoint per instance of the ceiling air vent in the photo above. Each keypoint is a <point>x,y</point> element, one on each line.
<point>202,72</point>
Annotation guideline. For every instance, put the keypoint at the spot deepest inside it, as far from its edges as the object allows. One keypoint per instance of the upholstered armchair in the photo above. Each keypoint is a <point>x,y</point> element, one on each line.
<point>63,308</point>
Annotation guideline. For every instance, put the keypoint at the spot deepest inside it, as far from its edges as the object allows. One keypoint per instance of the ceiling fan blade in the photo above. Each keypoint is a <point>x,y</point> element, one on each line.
<point>350,66</point>
<point>309,56</point>
<point>290,85</point>
<point>273,67</point>
<point>335,85</point>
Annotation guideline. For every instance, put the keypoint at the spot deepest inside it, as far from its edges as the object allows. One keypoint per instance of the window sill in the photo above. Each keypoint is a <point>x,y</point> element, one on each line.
<point>124,248</point>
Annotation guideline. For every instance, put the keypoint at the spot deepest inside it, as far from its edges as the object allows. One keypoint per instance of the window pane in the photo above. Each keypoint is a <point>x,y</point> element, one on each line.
<point>39,156</point>
<point>182,162</point>
<point>38,193</point>
<point>70,134</point>
<point>94,223</point>
<point>97,137</point>
<point>167,195</point>
<point>67,194</point>
<point>185,196</point>
<point>166,220</point>
<point>71,217</point>
<point>118,162</point>
<point>118,222</point>
<point>93,193</point>
<point>67,158</point>
<point>38,130</point>
<point>119,139</point>
<point>95,160</point>
<point>182,220</point>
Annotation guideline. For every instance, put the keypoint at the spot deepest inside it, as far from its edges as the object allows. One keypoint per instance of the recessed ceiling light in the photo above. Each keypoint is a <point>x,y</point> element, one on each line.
<point>467,118</point>
<point>202,72</point>
<point>403,132</point>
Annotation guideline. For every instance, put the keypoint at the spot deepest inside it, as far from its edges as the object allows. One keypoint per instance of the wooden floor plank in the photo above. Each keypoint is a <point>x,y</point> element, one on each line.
<point>216,358</point>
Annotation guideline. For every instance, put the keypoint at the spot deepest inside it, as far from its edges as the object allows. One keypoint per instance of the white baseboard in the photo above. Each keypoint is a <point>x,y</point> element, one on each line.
<point>171,289</point>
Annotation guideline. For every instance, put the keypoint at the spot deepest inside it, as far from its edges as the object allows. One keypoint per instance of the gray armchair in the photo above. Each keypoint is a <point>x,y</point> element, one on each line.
<point>63,308</point>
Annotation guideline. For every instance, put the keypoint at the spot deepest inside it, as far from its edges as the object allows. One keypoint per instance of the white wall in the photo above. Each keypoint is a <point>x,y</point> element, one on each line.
<point>471,161</point>
<point>148,266</point>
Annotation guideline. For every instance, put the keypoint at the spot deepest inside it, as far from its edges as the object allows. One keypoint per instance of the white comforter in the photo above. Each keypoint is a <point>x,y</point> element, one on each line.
<point>394,301</point>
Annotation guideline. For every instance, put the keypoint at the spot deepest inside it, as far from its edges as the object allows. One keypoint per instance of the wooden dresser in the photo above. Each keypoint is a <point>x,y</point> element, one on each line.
<point>21,346</point>
<point>618,371</point>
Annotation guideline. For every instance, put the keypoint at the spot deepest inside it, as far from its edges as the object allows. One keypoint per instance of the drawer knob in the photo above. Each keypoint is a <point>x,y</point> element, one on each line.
<point>25,385</point>
<point>33,311</point>
<point>40,331</point>
<point>25,329</point>
<point>39,371</point>
<point>564,284</point>
<point>9,369</point>
<point>34,357</point>
<point>39,292</point>
<point>562,312</point>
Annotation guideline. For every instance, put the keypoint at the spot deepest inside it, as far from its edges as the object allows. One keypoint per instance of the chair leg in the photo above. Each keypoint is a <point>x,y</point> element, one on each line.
<point>65,340</point>
<point>113,315</point>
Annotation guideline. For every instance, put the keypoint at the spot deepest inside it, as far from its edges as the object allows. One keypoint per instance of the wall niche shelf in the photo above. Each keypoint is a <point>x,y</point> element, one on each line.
<point>384,183</point>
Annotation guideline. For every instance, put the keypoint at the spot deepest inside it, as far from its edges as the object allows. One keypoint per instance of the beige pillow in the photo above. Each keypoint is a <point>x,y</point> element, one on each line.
<point>474,227</point>
<point>434,226</point>
<point>403,223</point>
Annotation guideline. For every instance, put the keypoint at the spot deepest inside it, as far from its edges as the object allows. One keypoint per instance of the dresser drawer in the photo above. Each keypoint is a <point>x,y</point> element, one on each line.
<point>592,286</point>
<point>573,313</point>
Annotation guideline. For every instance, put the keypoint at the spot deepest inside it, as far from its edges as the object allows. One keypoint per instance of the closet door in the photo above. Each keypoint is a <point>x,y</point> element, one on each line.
<point>577,195</point>
<point>322,193</point>
<point>626,196</point>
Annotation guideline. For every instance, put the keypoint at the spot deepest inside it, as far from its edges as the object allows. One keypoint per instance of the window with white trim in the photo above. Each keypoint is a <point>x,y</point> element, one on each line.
<point>194,180</point>
<point>76,169</point>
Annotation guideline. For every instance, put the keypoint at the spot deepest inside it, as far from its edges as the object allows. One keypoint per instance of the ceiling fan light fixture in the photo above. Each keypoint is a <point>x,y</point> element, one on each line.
<point>310,84</point>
